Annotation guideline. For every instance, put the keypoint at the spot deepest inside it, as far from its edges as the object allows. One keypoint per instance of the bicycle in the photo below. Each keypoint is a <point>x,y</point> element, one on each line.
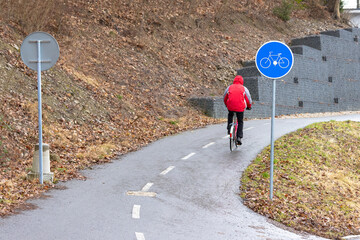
<point>274,59</point>
<point>233,130</point>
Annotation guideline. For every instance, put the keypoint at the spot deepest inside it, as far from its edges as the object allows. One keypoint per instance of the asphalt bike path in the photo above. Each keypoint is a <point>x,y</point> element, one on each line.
<point>180,187</point>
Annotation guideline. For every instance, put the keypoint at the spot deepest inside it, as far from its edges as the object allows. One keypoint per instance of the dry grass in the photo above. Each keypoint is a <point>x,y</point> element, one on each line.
<point>87,79</point>
<point>33,15</point>
<point>97,153</point>
<point>316,180</point>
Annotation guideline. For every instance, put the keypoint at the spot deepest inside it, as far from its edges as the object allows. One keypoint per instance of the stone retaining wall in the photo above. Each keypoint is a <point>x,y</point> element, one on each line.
<point>325,78</point>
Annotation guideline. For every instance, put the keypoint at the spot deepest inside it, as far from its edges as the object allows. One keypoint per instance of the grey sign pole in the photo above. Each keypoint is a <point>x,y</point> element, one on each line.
<point>272,140</point>
<point>40,51</point>
<point>40,111</point>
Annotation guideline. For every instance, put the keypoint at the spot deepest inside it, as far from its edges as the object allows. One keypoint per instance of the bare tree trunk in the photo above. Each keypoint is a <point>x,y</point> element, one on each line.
<point>337,9</point>
<point>334,7</point>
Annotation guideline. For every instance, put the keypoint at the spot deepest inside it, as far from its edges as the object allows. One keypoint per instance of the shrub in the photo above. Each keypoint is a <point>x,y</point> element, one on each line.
<point>284,10</point>
<point>341,6</point>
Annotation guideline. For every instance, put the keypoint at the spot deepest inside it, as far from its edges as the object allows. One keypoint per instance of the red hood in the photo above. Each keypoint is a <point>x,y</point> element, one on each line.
<point>239,80</point>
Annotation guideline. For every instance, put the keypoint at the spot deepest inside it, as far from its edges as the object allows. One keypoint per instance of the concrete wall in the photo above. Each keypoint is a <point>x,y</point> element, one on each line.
<point>325,78</point>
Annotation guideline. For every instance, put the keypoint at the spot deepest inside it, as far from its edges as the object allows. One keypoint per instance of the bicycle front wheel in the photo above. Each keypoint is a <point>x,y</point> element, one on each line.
<point>284,62</point>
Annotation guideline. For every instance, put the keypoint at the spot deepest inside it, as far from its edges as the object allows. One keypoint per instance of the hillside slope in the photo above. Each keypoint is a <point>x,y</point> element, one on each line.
<point>124,75</point>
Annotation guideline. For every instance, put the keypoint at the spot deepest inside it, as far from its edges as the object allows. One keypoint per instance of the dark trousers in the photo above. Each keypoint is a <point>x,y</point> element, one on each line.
<point>240,117</point>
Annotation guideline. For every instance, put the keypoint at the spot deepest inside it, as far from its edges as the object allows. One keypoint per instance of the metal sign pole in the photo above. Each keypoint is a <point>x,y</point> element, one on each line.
<point>40,51</point>
<point>274,60</point>
<point>272,141</point>
<point>40,111</point>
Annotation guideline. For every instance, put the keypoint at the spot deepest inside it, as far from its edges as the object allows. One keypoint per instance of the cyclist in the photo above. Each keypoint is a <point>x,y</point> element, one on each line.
<point>236,99</point>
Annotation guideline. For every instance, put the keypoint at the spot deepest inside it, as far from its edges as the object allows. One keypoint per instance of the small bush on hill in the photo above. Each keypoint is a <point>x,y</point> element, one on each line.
<point>284,10</point>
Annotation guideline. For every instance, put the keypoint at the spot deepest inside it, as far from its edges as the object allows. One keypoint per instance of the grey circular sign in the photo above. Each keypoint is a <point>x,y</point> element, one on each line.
<point>49,50</point>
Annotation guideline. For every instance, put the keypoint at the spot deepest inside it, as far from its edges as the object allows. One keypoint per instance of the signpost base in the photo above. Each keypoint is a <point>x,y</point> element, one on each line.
<point>47,177</point>
<point>35,171</point>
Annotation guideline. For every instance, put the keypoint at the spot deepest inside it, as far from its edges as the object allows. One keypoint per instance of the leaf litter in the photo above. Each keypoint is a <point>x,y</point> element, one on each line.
<point>124,75</point>
<point>316,180</point>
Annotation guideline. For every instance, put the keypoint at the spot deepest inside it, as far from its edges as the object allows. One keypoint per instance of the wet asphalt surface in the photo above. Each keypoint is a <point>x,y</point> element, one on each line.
<point>191,187</point>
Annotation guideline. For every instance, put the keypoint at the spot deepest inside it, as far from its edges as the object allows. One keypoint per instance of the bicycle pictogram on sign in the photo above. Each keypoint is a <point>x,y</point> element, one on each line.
<point>274,59</point>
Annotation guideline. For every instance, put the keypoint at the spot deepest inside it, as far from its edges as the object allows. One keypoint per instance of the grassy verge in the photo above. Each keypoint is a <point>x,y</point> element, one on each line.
<point>316,180</point>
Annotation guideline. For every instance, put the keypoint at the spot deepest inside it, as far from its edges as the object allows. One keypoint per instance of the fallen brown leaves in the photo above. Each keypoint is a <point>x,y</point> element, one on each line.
<point>316,180</point>
<point>75,147</point>
<point>125,72</point>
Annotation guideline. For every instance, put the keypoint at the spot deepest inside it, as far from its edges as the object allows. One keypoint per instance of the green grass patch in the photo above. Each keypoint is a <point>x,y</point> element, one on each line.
<point>173,122</point>
<point>316,180</point>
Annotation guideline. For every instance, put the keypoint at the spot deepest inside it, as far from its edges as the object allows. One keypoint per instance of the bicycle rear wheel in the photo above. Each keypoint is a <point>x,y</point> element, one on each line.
<point>233,143</point>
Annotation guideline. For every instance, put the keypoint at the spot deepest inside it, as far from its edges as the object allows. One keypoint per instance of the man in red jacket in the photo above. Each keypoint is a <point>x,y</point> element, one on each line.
<point>237,98</point>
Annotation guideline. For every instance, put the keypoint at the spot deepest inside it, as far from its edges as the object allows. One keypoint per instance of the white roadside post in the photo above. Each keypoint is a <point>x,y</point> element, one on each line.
<point>274,60</point>
<point>40,51</point>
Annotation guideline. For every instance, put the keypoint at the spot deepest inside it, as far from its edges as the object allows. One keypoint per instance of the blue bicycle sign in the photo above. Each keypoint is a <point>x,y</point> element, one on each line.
<point>274,59</point>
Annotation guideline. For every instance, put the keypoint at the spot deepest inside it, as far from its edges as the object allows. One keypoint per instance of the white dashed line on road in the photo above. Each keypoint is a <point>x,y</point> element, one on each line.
<point>227,136</point>
<point>136,212</point>
<point>166,171</point>
<point>141,194</point>
<point>139,236</point>
<point>208,145</point>
<point>147,187</point>
<point>188,156</point>
<point>352,237</point>
<point>248,128</point>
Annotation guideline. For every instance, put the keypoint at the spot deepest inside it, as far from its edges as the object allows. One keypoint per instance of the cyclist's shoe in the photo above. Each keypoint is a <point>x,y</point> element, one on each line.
<point>239,141</point>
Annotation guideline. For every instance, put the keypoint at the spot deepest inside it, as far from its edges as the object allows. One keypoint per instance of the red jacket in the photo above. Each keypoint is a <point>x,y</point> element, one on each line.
<point>237,97</point>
